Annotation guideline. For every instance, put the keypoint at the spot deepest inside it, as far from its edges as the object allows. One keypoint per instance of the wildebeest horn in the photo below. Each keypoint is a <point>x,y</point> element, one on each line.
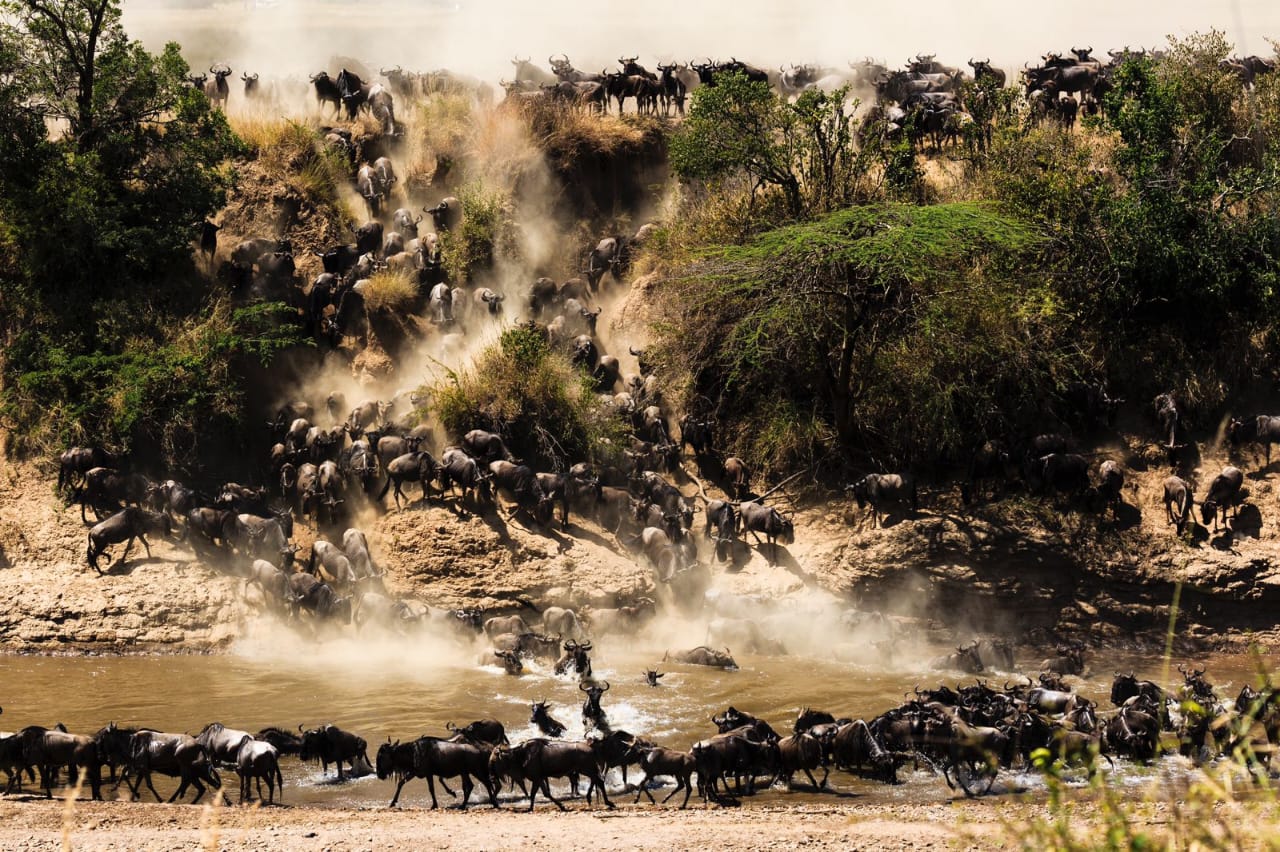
<point>449,726</point>
<point>606,686</point>
<point>586,646</point>
<point>300,728</point>
<point>582,686</point>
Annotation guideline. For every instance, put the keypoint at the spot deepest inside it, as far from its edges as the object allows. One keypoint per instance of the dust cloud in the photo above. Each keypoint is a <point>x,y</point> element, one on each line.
<point>480,37</point>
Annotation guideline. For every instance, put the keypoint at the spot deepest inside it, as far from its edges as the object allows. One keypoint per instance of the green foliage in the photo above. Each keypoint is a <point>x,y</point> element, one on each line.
<point>543,407</point>
<point>898,331</point>
<point>105,338</point>
<point>806,150</point>
<point>113,398</point>
<point>485,235</point>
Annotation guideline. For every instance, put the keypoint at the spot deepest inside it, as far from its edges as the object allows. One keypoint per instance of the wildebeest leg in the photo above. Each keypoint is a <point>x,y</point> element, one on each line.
<point>467,787</point>
<point>400,786</point>
<point>177,794</point>
<point>813,780</point>
<point>644,791</point>
<point>244,789</point>
<point>150,786</point>
<point>431,785</point>
<point>688,789</point>
<point>597,781</point>
<point>142,538</point>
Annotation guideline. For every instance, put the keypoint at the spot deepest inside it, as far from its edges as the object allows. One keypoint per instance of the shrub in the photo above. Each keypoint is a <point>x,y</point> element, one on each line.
<point>390,290</point>
<point>544,408</point>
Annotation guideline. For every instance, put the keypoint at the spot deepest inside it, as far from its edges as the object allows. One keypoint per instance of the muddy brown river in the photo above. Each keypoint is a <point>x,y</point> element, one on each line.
<point>403,689</point>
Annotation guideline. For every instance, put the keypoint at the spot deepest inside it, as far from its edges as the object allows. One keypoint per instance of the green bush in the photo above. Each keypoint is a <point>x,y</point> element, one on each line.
<point>486,233</point>
<point>169,395</point>
<point>544,408</point>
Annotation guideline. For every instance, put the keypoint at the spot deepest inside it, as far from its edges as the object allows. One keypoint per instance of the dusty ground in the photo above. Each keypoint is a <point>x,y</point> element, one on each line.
<point>1019,567</point>
<point>36,825</point>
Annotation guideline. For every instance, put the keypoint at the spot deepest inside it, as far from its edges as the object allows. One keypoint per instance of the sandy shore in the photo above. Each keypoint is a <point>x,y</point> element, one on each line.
<point>33,824</point>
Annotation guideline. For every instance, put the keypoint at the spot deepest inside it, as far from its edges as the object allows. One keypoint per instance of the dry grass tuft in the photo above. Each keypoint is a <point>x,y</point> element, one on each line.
<point>390,291</point>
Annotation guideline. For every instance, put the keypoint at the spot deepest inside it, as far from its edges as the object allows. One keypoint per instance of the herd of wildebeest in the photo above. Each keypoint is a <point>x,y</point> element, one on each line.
<point>924,99</point>
<point>326,462</point>
<point>968,734</point>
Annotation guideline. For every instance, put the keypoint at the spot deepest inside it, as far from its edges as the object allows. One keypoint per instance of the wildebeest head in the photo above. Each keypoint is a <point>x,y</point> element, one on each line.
<point>384,763</point>
<point>652,676</point>
<point>510,661</point>
<point>540,716</point>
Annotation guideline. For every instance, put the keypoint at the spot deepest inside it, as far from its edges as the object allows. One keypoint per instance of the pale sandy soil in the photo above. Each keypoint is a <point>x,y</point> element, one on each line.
<point>38,825</point>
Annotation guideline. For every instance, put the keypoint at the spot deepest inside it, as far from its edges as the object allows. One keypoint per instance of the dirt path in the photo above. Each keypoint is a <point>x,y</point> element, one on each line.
<point>38,825</point>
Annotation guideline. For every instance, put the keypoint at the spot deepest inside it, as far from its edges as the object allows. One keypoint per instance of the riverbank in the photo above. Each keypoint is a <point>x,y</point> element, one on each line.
<point>37,825</point>
<point>1019,567</point>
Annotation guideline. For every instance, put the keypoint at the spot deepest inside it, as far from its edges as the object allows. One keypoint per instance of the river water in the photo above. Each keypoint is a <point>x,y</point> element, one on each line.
<point>402,689</point>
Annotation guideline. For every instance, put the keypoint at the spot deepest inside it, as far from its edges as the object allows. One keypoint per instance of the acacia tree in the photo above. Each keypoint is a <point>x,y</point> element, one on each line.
<point>68,37</point>
<point>804,149</point>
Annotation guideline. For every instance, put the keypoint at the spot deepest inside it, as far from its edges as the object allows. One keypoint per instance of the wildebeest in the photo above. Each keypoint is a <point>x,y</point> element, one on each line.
<point>1064,473</point>
<point>664,761</point>
<point>49,750</point>
<point>543,759</point>
<point>318,598</point>
<point>217,89</point>
<point>563,622</point>
<point>519,485</point>
<point>446,215</point>
<point>431,758</point>
<point>1169,418</point>
<point>1177,501</point>
<point>1262,429</point>
<point>330,744</point>
<point>702,656</point>
<point>542,718</point>
<point>593,715</point>
<point>576,657</point>
<point>500,624</point>
<point>485,446</point>
<point>801,752</point>
<point>880,489</point>
<point>76,462</point>
<point>758,518</point>
<point>106,490</point>
<point>256,761</point>
<point>1110,484</point>
<point>327,91</point>
<point>209,239</point>
<point>411,467</point>
<point>1069,660</point>
<point>508,661</point>
<point>129,523</point>
<point>989,463</point>
<point>175,755</point>
<point>1224,494</point>
<point>722,527</point>
<point>623,619</point>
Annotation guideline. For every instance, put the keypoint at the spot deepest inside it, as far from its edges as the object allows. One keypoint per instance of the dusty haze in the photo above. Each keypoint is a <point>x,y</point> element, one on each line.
<point>481,36</point>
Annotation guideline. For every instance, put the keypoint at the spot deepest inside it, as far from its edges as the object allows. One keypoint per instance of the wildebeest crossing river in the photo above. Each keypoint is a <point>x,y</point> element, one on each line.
<point>402,691</point>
